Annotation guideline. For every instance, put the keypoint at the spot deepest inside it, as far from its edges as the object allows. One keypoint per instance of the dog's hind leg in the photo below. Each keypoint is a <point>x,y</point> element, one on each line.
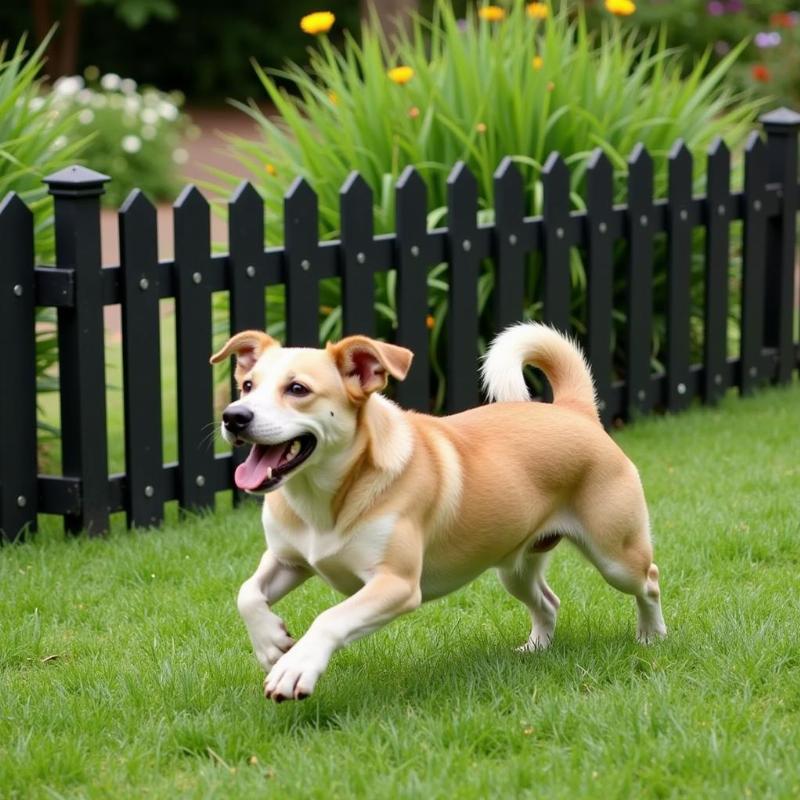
<point>525,580</point>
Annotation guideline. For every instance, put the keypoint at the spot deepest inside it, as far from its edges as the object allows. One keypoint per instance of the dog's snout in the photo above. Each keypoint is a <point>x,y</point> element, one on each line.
<point>236,418</point>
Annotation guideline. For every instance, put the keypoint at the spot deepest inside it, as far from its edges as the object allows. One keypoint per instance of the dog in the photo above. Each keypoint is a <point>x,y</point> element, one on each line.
<point>394,508</point>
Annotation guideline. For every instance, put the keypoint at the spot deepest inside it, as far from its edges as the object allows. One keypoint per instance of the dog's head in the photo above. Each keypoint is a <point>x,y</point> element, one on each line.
<point>296,404</point>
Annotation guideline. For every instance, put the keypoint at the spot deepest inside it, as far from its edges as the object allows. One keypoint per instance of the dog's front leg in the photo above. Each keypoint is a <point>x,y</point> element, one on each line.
<point>379,601</point>
<point>271,581</point>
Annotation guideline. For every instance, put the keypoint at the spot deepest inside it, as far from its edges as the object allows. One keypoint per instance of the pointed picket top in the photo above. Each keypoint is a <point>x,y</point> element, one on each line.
<point>410,181</point>
<point>680,153</point>
<point>245,194</point>
<point>137,204</point>
<point>555,168</point>
<point>13,208</point>
<point>356,187</point>
<point>76,181</point>
<point>508,174</point>
<point>718,148</point>
<point>599,164</point>
<point>640,159</point>
<point>300,192</point>
<point>780,118</point>
<point>461,178</point>
<point>755,146</point>
<point>190,197</point>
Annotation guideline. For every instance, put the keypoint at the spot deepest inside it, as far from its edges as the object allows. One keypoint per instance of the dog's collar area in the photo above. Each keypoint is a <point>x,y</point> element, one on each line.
<point>268,464</point>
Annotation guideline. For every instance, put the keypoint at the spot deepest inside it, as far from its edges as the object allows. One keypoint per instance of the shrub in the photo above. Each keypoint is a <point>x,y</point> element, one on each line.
<point>476,90</point>
<point>136,134</point>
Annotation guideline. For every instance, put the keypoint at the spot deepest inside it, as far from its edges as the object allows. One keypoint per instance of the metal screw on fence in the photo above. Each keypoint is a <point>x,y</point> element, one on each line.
<point>756,205</point>
<point>601,405</point>
<point>643,220</point>
<point>250,271</point>
<point>200,480</point>
<point>718,380</point>
<point>602,227</point>
<point>512,239</point>
<point>149,491</point>
<point>684,215</point>
<point>560,233</point>
<point>414,250</point>
<point>753,371</point>
<point>197,277</point>
<point>144,284</point>
<point>305,264</point>
<point>467,245</point>
<point>360,258</point>
<point>22,501</point>
<point>641,394</point>
<point>721,210</point>
<point>18,290</point>
<point>681,388</point>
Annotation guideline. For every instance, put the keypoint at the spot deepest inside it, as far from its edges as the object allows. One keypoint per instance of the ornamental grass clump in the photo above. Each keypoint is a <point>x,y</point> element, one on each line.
<point>519,80</point>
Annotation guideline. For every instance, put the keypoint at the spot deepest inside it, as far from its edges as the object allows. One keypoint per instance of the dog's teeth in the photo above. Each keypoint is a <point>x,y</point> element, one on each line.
<point>294,449</point>
<point>269,473</point>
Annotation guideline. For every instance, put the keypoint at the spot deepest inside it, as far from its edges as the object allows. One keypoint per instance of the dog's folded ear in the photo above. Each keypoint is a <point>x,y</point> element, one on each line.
<point>247,346</point>
<point>366,363</point>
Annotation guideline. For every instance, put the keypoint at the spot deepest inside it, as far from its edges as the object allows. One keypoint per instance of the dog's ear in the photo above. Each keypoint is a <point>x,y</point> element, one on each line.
<point>365,363</point>
<point>247,346</point>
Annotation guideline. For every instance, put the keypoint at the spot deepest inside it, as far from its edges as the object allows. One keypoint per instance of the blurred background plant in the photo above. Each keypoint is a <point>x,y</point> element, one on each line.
<point>137,134</point>
<point>523,81</point>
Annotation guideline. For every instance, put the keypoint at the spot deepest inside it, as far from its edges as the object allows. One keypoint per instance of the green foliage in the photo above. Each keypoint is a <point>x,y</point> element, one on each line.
<point>135,13</point>
<point>125,670</point>
<point>480,91</point>
<point>135,134</point>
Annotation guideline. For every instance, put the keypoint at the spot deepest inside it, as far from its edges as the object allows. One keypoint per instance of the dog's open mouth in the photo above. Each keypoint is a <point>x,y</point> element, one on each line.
<point>268,464</point>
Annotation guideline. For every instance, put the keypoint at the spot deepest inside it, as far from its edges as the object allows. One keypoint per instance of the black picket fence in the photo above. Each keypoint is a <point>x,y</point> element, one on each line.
<point>79,288</point>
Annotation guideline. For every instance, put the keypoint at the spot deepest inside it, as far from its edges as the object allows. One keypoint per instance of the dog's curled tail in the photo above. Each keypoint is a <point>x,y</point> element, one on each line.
<point>560,358</point>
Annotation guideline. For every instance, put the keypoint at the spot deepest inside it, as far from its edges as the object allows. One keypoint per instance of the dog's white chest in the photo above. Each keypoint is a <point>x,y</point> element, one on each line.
<point>346,560</point>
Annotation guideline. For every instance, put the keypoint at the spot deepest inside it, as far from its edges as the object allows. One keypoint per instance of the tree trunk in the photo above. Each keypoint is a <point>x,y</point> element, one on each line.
<point>394,15</point>
<point>62,53</point>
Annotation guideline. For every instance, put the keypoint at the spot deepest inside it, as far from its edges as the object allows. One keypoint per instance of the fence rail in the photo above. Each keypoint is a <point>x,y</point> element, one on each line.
<point>79,288</point>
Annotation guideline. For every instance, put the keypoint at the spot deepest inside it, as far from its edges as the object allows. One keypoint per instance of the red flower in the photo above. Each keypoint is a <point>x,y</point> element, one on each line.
<point>761,73</point>
<point>781,19</point>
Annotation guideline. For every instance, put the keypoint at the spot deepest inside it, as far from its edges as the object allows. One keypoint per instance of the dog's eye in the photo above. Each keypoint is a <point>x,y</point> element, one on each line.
<point>297,390</point>
<point>247,386</point>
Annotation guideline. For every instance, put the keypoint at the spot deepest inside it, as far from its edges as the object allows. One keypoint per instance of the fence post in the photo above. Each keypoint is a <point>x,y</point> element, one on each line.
<point>18,497</point>
<point>76,193</point>
<point>781,126</point>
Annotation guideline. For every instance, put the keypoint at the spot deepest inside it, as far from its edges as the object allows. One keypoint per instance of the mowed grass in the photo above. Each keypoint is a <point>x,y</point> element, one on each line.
<point>126,672</point>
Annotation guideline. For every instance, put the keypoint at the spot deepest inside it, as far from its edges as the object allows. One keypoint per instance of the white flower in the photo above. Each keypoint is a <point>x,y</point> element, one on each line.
<point>59,142</point>
<point>149,132</point>
<point>110,81</point>
<point>132,105</point>
<point>68,85</point>
<point>168,110</point>
<point>99,101</point>
<point>128,85</point>
<point>86,116</point>
<point>180,155</point>
<point>150,98</point>
<point>85,96</point>
<point>115,101</point>
<point>36,103</point>
<point>131,144</point>
<point>150,116</point>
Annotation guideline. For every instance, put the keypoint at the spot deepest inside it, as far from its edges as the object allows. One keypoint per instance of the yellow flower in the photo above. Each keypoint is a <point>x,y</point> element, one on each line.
<point>429,322</point>
<point>492,13</point>
<point>537,62</point>
<point>318,22</point>
<point>270,169</point>
<point>622,8</point>
<point>538,10</point>
<point>400,75</point>
<point>334,98</point>
<point>481,127</point>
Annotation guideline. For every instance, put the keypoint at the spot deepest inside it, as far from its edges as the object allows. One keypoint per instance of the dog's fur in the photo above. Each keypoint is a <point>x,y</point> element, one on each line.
<point>393,508</point>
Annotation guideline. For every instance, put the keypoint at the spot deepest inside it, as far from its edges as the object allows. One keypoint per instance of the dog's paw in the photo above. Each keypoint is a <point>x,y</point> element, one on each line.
<point>270,643</point>
<point>536,643</point>
<point>295,674</point>
<point>651,635</point>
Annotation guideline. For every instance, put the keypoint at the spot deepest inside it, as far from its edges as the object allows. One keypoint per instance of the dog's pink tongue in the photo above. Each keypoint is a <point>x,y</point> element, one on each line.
<point>250,474</point>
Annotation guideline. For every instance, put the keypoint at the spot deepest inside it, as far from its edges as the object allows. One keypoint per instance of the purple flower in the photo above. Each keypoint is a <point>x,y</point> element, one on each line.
<point>722,48</point>
<point>715,8</point>
<point>734,6</point>
<point>766,39</point>
<point>462,24</point>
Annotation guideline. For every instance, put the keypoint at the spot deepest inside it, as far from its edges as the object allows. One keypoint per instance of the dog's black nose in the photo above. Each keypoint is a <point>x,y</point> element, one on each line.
<point>236,418</point>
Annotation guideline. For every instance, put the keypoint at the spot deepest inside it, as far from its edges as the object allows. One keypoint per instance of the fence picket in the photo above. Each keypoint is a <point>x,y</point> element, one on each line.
<point>358,257</point>
<point>679,272</point>
<point>556,249</point>
<point>462,311</point>
<point>782,127</point>
<point>717,257</point>
<point>81,346</point>
<point>412,257</point>
<point>600,268</point>
<point>18,483</point>
<point>753,273</point>
<point>640,281</point>
<point>509,245</point>
<point>141,361</point>
<point>194,345</point>
<point>301,243</point>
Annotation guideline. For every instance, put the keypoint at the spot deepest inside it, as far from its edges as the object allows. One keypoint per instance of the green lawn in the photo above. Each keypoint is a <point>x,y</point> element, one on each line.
<point>125,671</point>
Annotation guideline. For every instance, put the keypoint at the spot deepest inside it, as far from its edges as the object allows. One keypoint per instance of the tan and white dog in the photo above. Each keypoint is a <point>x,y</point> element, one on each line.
<point>394,508</point>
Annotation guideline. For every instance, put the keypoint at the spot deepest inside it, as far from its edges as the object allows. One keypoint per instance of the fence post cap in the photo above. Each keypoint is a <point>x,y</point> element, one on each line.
<point>76,181</point>
<point>780,118</point>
